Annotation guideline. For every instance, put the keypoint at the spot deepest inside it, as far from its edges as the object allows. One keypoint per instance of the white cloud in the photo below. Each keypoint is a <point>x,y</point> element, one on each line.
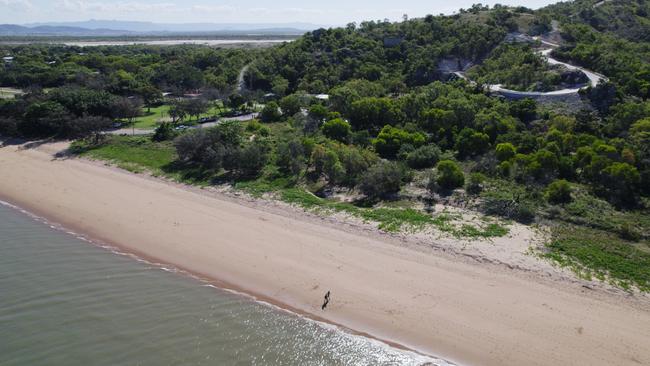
<point>258,13</point>
<point>124,8</point>
<point>16,5</point>
<point>217,9</point>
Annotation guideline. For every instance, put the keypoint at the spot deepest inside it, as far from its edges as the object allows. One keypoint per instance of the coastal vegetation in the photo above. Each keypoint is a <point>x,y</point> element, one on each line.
<point>395,135</point>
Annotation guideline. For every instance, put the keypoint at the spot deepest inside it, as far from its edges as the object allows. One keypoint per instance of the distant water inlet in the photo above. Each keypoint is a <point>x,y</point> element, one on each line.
<point>176,42</point>
<point>66,302</point>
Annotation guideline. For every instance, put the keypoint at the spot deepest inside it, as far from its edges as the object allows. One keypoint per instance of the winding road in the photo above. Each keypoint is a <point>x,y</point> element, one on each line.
<point>241,81</point>
<point>593,77</point>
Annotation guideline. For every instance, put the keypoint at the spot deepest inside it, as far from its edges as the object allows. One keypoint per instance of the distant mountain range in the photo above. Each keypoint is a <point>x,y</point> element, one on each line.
<point>126,28</point>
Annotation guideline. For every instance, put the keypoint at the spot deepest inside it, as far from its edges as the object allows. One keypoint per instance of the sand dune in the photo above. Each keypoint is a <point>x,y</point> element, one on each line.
<point>468,313</point>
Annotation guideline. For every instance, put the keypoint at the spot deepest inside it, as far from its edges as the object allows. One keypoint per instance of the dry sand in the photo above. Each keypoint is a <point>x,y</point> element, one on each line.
<point>470,313</point>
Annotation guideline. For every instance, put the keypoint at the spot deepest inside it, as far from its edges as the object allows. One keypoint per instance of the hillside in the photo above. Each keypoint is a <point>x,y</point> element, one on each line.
<point>623,18</point>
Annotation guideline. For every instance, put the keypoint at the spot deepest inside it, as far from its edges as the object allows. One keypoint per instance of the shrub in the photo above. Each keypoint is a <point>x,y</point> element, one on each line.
<point>471,143</point>
<point>475,183</point>
<point>253,125</point>
<point>508,204</point>
<point>390,140</point>
<point>558,192</point>
<point>424,157</point>
<point>337,129</point>
<point>355,161</point>
<point>213,148</point>
<point>318,112</point>
<point>505,151</point>
<point>271,112</point>
<point>190,146</point>
<point>164,132</point>
<point>628,232</point>
<point>326,162</point>
<point>361,138</point>
<point>251,159</point>
<point>8,126</point>
<point>290,157</point>
<point>450,176</point>
<point>382,179</point>
<point>620,182</point>
<point>505,169</point>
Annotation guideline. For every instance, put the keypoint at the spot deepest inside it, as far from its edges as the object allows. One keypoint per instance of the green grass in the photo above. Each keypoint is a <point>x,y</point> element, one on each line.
<point>140,154</point>
<point>595,253</point>
<point>590,211</point>
<point>135,154</point>
<point>152,118</point>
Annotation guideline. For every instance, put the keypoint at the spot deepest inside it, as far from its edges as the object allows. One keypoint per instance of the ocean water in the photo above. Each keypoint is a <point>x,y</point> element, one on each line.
<point>66,301</point>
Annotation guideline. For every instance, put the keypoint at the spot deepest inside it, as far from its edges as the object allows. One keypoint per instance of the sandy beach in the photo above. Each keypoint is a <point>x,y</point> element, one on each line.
<point>464,311</point>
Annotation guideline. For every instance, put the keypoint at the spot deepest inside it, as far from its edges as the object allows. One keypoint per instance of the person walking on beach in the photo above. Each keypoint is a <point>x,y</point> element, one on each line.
<point>327,300</point>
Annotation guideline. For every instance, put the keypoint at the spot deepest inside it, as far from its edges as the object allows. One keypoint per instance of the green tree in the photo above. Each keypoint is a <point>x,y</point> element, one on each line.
<point>471,143</point>
<point>391,139</point>
<point>373,113</point>
<point>318,112</point>
<point>424,157</point>
<point>436,119</point>
<point>150,96</point>
<point>271,113</point>
<point>126,108</point>
<point>337,129</point>
<point>44,119</point>
<point>290,105</point>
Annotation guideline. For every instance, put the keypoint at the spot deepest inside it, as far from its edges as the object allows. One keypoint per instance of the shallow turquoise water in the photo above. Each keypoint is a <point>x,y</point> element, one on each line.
<point>64,301</point>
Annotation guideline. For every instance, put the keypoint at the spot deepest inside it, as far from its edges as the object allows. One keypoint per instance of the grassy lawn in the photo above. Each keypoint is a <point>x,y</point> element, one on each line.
<point>153,118</point>
<point>135,154</point>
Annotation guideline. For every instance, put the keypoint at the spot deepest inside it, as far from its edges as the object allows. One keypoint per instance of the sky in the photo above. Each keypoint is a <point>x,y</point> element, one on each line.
<point>323,12</point>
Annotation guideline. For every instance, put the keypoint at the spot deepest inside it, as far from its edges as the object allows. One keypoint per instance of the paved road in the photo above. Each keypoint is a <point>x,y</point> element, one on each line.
<point>593,77</point>
<point>241,81</point>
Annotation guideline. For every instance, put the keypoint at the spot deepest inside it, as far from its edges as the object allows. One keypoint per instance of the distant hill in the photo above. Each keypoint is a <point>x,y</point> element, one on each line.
<point>116,27</point>
<point>47,30</point>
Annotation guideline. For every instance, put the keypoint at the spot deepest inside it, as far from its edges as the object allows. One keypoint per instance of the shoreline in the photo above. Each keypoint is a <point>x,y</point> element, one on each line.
<point>468,326</point>
<point>215,283</point>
